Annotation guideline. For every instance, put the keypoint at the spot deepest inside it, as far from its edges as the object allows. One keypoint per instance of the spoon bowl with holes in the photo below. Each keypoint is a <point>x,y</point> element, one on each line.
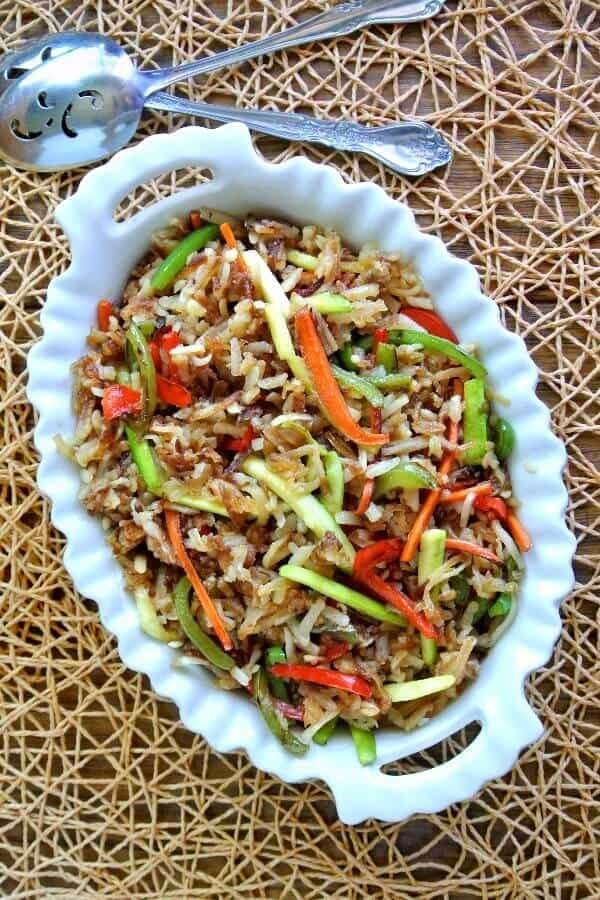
<point>73,98</point>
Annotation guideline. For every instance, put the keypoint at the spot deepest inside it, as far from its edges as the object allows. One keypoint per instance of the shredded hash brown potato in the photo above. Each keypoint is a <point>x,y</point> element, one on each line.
<point>246,400</point>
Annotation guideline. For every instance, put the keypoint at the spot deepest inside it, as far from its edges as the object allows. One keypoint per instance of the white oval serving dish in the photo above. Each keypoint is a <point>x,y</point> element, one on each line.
<point>103,253</point>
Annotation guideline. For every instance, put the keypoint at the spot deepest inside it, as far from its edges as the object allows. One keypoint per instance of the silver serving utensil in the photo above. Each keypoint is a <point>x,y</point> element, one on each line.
<point>73,98</point>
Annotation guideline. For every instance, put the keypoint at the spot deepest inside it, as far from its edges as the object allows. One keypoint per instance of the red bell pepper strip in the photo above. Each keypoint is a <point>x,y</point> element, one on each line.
<point>473,549</point>
<point>493,506</point>
<point>380,336</point>
<point>172,392</point>
<point>104,312</point>
<point>455,496</point>
<point>195,220</point>
<point>384,550</point>
<point>431,322</point>
<point>335,650</point>
<point>173,524</point>
<point>165,339</point>
<point>433,497</point>
<point>353,684</point>
<point>398,599</point>
<point>326,387</point>
<point>241,444</point>
<point>120,400</point>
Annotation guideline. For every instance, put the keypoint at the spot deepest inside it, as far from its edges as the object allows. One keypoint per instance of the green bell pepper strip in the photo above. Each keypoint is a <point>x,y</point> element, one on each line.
<point>395,381</point>
<point>385,356</point>
<point>431,557</point>
<point>276,724</point>
<point>364,341</point>
<point>364,743</point>
<point>346,357</point>
<point>433,344</point>
<point>345,595</point>
<point>414,690</point>
<point>504,439</point>
<point>462,589</point>
<point>306,506</point>
<point>140,352</point>
<point>482,608</point>
<point>501,606</point>
<point>172,265</point>
<point>194,633</point>
<point>406,475</point>
<point>346,633</point>
<point>474,422</point>
<point>278,687</point>
<point>144,459</point>
<point>325,731</point>
<point>361,386</point>
<point>333,498</point>
<point>147,328</point>
<point>302,260</point>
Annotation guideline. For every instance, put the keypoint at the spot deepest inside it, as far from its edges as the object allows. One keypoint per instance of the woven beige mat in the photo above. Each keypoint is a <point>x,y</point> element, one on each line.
<point>102,792</point>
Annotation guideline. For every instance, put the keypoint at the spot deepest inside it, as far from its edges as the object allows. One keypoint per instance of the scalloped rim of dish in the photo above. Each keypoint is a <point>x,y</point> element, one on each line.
<point>103,252</point>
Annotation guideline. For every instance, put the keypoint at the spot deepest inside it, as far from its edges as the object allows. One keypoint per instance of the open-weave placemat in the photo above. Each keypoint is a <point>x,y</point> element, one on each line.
<point>102,792</point>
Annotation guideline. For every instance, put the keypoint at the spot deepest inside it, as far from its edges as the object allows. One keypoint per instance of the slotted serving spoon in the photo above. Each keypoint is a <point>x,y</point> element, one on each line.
<point>74,98</point>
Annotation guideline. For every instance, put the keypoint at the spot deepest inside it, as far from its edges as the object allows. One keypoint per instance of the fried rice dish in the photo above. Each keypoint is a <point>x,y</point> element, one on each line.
<point>301,471</point>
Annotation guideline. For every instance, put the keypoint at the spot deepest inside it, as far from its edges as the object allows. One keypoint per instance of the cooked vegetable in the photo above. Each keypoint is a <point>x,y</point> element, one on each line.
<point>493,506</point>
<point>461,587</point>
<point>457,496</point>
<point>342,594</point>
<point>172,392</point>
<point>149,621</point>
<point>501,605</point>
<point>180,495</point>
<point>504,439</point>
<point>347,356</point>
<point>365,497</point>
<point>380,336</point>
<point>329,303</point>
<point>406,475</point>
<point>119,400</point>
<point>174,532</point>
<point>473,549</point>
<point>143,457</point>
<point>335,650</point>
<point>433,344</point>
<point>141,358</point>
<point>313,514</point>
<point>431,322</point>
<point>275,722</point>
<point>241,444</point>
<point>170,267</point>
<point>414,690</point>
<point>385,356</point>
<point>278,687</point>
<point>104,312</point>
<point>395,381</point>
<point>326,388</point>
<point>475,422</point>
<point>522,539</point>
<point>352,684</point>
<point>425,513</point>
<point>194,632</point>
<point>431,557</point>
<point>302,260</point>
<point>361,386</point>
<point>333,497</point>
<point>325,731</point>
<point>364,743</point>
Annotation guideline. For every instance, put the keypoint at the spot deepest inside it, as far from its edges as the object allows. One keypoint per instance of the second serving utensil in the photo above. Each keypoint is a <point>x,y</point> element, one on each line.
<point>74,98</point>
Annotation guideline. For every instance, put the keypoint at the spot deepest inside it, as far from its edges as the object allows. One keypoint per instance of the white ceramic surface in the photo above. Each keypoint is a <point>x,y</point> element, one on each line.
<point>103,252</point>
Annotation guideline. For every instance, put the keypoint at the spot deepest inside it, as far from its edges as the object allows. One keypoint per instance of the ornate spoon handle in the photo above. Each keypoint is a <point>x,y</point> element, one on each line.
<point>410,148</point>
<point>344,18</point>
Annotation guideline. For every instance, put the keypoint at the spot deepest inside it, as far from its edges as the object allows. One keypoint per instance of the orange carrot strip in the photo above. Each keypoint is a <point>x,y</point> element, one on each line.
<point>473,549</point>
<point>365,497</point>
<point>229,238</point>
<point>326,387</point>
<point>105,310</point>
<point>195,220</point>
<point>433,497</point>
<point>174,531</point>
<point>522,539</point>
<point>456,496</point>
